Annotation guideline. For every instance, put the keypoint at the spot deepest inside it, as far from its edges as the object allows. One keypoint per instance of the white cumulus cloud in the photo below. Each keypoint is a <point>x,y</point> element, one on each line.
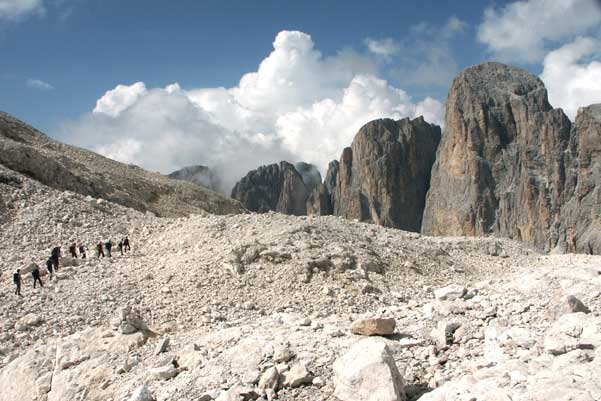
<point>116,100</point>
<point>571,79</point>
<point>38,84</point>
<point>299,106</point>
<point>332,125</point>
<point>386,47</point>
<point>523,30</point>
<point>16,9</point>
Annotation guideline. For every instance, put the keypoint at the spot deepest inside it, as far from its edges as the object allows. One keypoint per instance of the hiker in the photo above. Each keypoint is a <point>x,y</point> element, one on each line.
<point>73,250</point>
<point>99,249</point>
<point>82,251</point>
<point>55,255</point>
<point>18,281</point>
<point>108,245</point>
<point>120,245</point>
<point>35,273</point>
<point>49,267</point>
<point>126,246</point>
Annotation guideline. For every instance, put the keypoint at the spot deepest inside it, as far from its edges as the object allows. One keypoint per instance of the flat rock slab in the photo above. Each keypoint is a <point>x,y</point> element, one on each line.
<point>374,326</point>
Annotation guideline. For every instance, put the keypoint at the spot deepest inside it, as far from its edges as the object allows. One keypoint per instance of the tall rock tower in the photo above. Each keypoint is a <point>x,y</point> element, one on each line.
<point>500,166</point>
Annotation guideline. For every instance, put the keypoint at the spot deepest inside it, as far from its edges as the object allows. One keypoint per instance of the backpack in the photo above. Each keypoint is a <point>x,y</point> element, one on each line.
<point>16,278</point>
<point>56,251</point>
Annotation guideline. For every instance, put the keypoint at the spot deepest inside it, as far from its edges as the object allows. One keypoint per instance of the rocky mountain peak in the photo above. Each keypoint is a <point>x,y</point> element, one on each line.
<point>385,174</point>
<point>311,175</point>
<point>495,83</point>
<point>500,165</point>
<point>199,175</point>
<point>275,187</point>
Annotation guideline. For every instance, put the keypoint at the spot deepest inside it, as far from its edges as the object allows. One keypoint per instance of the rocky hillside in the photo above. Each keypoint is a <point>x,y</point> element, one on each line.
<point>295,308</point>
<point>28,151</point>
<point>199,175</point>
<point>276,187</point>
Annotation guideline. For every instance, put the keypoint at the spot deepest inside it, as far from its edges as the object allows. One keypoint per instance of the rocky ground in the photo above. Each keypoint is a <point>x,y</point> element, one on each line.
<point>247,306</point>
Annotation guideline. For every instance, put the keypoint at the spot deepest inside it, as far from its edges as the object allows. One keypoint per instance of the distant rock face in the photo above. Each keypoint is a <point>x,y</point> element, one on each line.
<point>276,187</point>
<point>310,174</point>
<point>500,166</point>
<point>384,176</point>
<point>199,175</point>
<point>321,201</point>
<point>581,213</point>
<point>25,150</point>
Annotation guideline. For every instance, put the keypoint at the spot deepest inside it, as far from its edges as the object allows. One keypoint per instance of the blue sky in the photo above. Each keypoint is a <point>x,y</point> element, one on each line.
<point>83,48</point>
<point>167,84</point>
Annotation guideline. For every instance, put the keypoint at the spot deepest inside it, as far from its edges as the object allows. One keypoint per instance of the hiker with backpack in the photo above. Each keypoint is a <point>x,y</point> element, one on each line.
<point>82,251</point>
<point>49,267</point>
<point>108,246</point>
<point>18,281</point>
<point>35,273</point>
<point>99,249</point>
<point>73,250</point>
<point>126,246</point>
<point>55,255</point>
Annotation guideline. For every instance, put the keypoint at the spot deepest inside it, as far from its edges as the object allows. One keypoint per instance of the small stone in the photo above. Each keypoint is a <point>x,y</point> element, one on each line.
<point>142,393</point>
<point>164,372</point>
<point>269,379</point>
<point>297,376</point>
<point>450,292</point>
<point>162,346</point>
<point>443,333</point>
<point>318,382</point>
<point>374,326</point>
<point>44,383</point>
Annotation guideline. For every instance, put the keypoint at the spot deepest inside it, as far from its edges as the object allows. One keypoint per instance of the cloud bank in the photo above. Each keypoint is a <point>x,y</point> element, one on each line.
<point>12,10</point>
<point>38,84</point>
<point>571,81</point>
<point>523,31</point>
<point>299,105</point>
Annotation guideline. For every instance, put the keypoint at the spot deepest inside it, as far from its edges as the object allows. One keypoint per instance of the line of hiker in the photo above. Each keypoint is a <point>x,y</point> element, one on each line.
<point>52,263</point>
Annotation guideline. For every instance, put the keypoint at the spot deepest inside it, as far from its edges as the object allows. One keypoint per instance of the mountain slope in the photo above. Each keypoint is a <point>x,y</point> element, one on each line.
<point>28,151</point>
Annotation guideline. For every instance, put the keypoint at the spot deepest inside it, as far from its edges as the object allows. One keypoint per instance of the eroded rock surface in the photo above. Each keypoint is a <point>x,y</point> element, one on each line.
<point>384,176</point>
<point>500,166</point>
<point>581,211</point>
<point>276,187</point>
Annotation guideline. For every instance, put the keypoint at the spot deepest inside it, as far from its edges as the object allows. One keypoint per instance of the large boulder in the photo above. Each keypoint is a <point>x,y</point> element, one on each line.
<point>573,331</point>
<point>500,167</point>
<point>82,363</point>
<point>276,187</point>
<point>368,372</point>
<point>581,213</point>
<point>383,178</point>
